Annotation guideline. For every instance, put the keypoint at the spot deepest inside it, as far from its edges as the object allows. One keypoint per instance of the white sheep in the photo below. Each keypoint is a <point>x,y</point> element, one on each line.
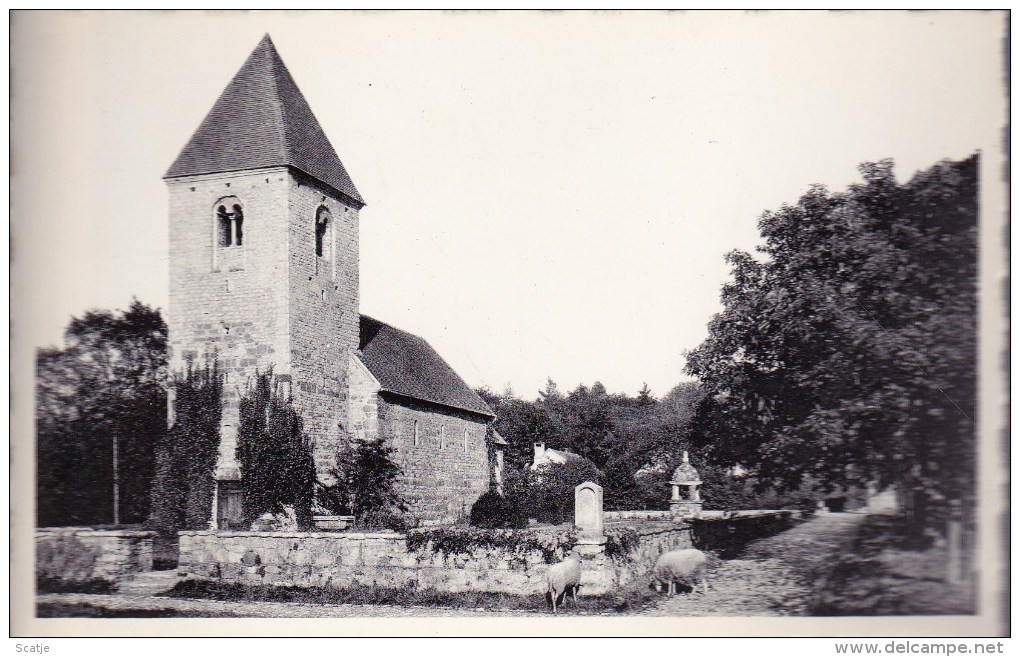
<point>563,577</point>
<point>687,566</point>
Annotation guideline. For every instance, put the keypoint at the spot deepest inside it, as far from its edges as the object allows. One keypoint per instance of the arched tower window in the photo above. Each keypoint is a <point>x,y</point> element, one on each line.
<point>229,225</point>
<point>325,262</point>
<point>228,235</point>
<point>322,232</point>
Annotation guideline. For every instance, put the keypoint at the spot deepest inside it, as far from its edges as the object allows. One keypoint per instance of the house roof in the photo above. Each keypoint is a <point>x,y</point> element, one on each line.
<point>407,365</point>
<point>550,456</point>
<point>262,120</point>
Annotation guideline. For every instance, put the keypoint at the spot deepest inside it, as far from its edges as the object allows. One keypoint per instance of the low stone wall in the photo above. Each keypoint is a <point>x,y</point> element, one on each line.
<point>727,533</point>
<point>82,554</point>
<point>655,537</point>
<point>325,559</point>
<point>329,559</point>
<point>638,515</point>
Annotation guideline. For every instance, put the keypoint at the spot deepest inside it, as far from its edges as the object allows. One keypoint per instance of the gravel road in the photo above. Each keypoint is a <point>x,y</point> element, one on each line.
<point>771,577</point>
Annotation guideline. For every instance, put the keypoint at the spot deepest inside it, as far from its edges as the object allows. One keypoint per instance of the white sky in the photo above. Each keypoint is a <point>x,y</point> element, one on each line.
<point>549,194</point>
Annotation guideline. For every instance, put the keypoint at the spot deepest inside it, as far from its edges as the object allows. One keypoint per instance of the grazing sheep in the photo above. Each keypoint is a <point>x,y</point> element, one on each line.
<point>687,566</point>
<point>563,577</point>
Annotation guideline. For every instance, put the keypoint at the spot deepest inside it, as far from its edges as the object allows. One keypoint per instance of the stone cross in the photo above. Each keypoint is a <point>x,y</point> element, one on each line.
<point>588,517</point>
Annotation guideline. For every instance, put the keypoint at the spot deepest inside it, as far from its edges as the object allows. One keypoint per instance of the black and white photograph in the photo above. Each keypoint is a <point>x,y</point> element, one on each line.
<point>510,323</point>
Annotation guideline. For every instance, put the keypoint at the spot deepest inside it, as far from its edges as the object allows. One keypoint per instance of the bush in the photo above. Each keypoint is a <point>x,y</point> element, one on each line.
<point>386,518</point>
<point>549,496</point>
<point>620,542</point>
<point>493,511</point>
<point>515,544</point>
<point>365,477</point>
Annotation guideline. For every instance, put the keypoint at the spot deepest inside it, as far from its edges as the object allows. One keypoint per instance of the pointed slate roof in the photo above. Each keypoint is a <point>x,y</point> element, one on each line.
<point>407,365</point>
<point>262,120</point>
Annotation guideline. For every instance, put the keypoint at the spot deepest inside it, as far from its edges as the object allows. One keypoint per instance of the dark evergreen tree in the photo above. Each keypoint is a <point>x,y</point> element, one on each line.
<point>274,454</point>
<point>183,485</point>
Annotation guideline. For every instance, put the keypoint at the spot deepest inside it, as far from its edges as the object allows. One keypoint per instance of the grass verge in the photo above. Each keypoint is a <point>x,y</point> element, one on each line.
<point>86,610</point>
<point>623,600</point>
<point>44,584</point>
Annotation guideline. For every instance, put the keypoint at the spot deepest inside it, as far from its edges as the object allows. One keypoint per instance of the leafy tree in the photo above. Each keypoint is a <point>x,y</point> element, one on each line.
<point>523,424</point>
<point>549,491</point>
<point>845,353</point>
<point>274,454</point>
<point>365,477</point>
<point>101,395</point>
<point>590,424</point>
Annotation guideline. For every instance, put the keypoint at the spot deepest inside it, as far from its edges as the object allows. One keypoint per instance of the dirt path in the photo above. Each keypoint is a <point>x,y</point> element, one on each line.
<point>770,577</point>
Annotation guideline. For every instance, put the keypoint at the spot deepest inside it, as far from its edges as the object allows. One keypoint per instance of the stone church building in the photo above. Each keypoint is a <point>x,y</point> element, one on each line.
<point>263,223</point>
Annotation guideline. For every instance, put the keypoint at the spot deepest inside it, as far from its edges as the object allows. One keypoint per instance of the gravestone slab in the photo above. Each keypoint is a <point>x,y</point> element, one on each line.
<point>588,514</point>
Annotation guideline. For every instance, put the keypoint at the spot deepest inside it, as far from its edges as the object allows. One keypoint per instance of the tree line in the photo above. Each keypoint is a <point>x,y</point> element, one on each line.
<point>844,356</point>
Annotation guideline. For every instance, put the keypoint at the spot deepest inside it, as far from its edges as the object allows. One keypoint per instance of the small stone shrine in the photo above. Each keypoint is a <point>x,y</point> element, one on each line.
<point>686,475</point>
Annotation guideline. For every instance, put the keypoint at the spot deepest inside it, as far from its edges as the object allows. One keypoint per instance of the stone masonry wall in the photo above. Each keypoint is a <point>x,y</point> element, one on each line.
<point>324,317</point>
<point>338,560</point>
<point>229,302</point>
<point>362,402</point>
<point>81,554</point>
<point>448,469</point>
<point>656,537</point>
<point>382,559</point>
<point>271,302</point>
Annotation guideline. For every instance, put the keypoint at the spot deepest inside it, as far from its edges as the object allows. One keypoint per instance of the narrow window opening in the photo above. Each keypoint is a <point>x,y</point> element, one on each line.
<point>229,226</point>
<point>442,437</point>
<point>465,441</point>
<point>321,230</point>
<point>415,429</point>
<point>223,226</point>
<point>238,226</point>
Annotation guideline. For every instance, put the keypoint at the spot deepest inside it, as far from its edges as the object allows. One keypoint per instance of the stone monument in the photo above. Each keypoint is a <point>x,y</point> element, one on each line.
<point>588,516</point>
<point>685,475</point>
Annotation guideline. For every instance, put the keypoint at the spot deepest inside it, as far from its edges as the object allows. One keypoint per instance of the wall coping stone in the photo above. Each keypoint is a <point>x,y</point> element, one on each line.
<point>392,536</point>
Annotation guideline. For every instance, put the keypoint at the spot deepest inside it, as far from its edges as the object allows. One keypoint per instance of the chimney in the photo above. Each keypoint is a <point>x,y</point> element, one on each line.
<point>539,451</point>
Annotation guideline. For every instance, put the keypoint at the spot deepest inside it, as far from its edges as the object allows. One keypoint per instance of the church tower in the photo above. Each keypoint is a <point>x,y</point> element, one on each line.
<point>264,258</point>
